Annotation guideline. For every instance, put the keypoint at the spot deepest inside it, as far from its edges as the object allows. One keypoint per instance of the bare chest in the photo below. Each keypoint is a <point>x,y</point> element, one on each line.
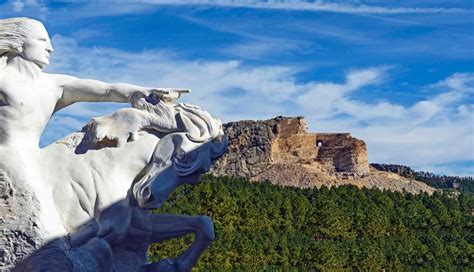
<point>28,97</point>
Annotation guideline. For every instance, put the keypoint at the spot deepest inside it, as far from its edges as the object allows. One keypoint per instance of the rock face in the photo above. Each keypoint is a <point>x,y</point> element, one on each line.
<point>19,225</point>
<point>282,151</point>
<point>254,145</point>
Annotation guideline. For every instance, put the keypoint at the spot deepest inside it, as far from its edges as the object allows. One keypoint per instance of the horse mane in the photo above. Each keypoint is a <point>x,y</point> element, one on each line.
<point>201,127</point>
<point>197,124</point>
<point>208,127</point>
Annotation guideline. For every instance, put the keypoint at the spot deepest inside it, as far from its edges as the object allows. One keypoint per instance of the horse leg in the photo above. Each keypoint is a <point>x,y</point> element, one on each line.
<point>95,255</point>
<point>167,226</point>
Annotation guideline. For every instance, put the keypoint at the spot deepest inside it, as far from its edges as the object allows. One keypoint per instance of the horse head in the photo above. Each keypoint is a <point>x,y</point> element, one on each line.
<point>180,157</point>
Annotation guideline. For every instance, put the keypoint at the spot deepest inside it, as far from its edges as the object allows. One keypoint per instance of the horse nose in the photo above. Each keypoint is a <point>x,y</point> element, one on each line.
<point>146,199</point>
<point>146,193</point>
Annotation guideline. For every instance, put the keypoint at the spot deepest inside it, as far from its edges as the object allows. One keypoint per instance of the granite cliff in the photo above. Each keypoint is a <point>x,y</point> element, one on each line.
<point>282,151</point>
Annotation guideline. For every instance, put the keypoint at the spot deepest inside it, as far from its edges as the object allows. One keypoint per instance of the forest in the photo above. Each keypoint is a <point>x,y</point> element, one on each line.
<point>260,226</point>
<point>464,184</point>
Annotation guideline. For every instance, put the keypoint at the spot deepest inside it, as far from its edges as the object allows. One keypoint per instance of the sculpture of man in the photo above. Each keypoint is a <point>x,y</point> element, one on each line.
<point>66,184</point>
<point>29,97</point>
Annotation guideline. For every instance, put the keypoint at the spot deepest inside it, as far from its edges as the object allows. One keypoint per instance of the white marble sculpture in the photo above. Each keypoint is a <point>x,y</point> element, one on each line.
<point>83,203</point>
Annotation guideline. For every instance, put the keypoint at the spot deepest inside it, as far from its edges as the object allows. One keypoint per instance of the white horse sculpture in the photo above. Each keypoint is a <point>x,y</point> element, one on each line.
<point>85,200</point>
<point>106,217</point>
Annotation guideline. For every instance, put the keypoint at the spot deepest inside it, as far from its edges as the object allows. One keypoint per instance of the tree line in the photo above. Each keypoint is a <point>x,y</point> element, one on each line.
<point>264,226</point>
<point>463,184</point>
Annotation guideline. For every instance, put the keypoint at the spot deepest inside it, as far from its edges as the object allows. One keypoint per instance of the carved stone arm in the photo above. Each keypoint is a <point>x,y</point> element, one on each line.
<point>88,90</point>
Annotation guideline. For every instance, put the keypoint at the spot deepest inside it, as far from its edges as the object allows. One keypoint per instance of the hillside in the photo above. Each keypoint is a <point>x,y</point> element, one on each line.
<point>285,199</point>
<point>260,226</point>
<point>462,184</point>
<point>282,151</point>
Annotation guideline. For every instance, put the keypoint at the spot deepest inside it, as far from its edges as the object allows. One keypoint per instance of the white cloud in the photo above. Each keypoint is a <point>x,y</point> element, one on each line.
<point>258,48</point>
<point>324,6</point>
<point>29,8</point>
<point>21,5</point>
<point>18,5</point>
<point>84,9</point>
<point>463,82</point>
<point>434,131</point>
<point>328,99</point>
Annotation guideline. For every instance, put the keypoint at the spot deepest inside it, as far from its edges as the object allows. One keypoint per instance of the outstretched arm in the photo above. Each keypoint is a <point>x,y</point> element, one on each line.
<point>88,90</point>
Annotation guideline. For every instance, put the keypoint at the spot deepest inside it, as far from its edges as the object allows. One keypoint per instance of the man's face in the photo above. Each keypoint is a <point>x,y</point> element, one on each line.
<point>37,47</point>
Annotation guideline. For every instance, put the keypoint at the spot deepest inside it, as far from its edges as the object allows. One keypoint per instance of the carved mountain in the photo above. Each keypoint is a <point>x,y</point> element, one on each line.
<point>282,151</point>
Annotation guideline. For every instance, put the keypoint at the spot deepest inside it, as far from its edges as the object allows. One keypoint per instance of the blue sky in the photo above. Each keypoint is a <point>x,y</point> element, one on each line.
<point>397,74</point>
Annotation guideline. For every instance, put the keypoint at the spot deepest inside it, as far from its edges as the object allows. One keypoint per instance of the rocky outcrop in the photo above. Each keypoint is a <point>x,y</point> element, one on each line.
<point>254,145</point>
<point>282,151</point>
<point>249,148</point>
<point>19,224</point>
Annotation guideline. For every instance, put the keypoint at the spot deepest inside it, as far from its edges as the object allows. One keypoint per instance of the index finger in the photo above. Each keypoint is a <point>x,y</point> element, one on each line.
<point>170,90</point>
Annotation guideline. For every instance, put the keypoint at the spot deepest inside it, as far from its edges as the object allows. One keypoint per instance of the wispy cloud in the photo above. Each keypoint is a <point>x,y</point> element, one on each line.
<point>122,7</point>
<point>434,131</point>
<point>318,6</point>
<point>431,132</point>
<point>260,48</point>
<point>327,97</point>
<point>20,5</point>
<point>81,9</point>
<point>34,8</point>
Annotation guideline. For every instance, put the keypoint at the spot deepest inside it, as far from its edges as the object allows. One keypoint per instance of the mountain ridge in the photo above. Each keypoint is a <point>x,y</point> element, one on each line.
<point>282,151</point>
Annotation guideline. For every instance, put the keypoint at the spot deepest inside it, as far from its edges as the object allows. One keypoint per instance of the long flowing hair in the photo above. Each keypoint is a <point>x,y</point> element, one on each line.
<point>13,33</point>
